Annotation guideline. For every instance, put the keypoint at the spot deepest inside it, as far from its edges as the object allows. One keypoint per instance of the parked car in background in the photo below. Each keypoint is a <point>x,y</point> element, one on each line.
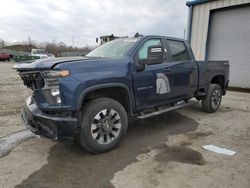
<point>41,53</point>
<point>4,57</point>
<point>51,55</point>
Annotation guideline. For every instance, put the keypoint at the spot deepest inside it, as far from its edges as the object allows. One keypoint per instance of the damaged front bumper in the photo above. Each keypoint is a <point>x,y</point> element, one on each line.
<point>55,127</point>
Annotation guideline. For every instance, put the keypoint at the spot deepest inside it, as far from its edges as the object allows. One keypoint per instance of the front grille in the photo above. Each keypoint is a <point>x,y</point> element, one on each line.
<point>32,80</point>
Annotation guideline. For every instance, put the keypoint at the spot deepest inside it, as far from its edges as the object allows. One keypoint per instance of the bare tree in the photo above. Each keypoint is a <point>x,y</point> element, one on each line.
<point>56,48</point>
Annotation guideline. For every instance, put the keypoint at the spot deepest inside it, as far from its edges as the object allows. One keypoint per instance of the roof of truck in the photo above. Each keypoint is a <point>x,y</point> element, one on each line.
<point>160,36</point>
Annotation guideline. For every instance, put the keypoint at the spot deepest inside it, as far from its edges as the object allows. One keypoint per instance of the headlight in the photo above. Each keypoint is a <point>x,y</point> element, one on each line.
<point>55,91</point>
<point>55,74</point>
<point>51,89</point>
<point>52,96</point>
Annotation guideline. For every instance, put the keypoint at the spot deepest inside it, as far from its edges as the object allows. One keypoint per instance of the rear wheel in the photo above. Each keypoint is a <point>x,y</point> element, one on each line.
<point>104,124</point>
<point>213,99</point>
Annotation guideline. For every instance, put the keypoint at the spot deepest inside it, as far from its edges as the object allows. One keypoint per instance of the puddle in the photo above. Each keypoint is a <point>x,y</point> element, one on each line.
<point>71,166</point>
<point>196,135</point>
<point>181,154</point>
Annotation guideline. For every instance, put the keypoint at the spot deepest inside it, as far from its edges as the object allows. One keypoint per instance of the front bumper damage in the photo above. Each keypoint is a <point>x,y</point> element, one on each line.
<point>55,127</point>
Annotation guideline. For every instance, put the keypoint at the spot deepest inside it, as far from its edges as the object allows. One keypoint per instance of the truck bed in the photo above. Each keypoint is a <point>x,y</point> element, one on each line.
<point>212,69</point>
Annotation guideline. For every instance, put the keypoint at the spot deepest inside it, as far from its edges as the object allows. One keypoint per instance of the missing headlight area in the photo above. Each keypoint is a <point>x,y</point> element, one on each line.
<point>32,79</point>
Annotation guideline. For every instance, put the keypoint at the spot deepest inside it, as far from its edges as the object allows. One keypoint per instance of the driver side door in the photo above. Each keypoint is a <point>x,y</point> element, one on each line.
<point>151,81</point>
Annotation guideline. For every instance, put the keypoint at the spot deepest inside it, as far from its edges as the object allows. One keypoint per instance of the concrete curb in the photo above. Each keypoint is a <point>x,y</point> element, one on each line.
<point>9,142</point>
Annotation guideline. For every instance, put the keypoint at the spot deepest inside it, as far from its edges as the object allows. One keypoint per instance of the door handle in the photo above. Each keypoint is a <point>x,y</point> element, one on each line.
<point>167,69</point>
<point>193,67</point>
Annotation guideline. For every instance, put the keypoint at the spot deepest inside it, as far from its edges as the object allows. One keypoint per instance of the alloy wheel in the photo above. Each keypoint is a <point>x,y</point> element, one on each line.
<point>106,126</point>
<point>216,98</point>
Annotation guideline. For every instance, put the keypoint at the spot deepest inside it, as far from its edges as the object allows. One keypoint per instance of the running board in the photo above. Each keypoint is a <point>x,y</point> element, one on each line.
<point>161,110</point>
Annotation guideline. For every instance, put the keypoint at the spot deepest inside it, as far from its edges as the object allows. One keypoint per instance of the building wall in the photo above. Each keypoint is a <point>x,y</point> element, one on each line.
<point>200,23</point>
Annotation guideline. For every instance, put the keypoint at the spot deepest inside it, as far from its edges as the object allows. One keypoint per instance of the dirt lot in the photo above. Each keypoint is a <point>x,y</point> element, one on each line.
<point>12,95</point>
<point>163,151</point>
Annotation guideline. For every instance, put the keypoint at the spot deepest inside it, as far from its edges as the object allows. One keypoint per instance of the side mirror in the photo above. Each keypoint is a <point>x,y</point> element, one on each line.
<point>154,55</point>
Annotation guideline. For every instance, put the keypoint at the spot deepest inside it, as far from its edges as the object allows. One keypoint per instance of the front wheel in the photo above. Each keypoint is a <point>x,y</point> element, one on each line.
<point>104,124</point>
<point>213,99</point>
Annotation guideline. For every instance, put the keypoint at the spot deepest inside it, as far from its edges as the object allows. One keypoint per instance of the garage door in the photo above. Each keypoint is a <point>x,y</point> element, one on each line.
<point>229,39</point>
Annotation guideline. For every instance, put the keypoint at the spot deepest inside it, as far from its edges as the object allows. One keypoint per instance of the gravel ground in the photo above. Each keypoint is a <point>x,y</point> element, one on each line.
<point>12,95</point>
<point>163,151</point>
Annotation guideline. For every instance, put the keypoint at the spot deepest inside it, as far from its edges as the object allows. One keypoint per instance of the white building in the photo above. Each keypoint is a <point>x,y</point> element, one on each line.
<point>220,30</point>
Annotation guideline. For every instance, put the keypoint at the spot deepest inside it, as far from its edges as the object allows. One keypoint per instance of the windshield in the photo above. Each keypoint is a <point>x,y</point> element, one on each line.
<point>114,49</point>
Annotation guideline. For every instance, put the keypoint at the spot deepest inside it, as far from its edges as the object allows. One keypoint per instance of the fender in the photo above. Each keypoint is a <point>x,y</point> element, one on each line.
<point>225,84</point>
<point>102,86</point>
<point>214,75</point>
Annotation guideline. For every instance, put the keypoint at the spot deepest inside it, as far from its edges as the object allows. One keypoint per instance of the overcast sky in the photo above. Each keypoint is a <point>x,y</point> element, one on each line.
<point>48,20</point>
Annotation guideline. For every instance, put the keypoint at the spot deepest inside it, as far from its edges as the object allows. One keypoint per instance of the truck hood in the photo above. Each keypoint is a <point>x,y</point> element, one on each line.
<point>45,64</point>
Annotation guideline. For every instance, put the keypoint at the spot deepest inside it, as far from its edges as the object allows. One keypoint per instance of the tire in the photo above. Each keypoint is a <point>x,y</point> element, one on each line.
<point>104,124</point>
<point>213,99</point>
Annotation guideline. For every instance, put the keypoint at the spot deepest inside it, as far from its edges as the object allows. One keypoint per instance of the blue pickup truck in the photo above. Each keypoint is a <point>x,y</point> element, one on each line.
<point>93,98</point>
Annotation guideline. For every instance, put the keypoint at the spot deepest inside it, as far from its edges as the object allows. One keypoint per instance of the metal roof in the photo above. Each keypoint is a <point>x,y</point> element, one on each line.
<point>196,2</point>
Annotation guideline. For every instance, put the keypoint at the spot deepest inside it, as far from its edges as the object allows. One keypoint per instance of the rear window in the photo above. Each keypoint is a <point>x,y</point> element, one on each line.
<point>178,50</point>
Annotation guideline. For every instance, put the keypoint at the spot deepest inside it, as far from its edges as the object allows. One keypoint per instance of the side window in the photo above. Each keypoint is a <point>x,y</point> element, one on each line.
<point>143,51</point>
<point>178,50</point>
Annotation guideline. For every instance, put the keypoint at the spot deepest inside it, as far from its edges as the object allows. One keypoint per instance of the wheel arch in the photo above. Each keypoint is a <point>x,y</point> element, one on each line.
<point>218,79</point>
<point>109,90</point>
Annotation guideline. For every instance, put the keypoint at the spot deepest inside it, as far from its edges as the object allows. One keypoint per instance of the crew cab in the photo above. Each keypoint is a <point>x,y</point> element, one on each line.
<point>93,98</point>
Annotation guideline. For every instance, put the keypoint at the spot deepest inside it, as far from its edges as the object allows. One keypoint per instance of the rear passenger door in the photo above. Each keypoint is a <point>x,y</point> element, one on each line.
<point>183,68</point>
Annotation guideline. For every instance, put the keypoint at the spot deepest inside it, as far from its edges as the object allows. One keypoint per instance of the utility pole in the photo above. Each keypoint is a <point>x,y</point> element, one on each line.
<point>29,40</point>
<point>184,34</point>
<point>73,41</point>
<point>2,44</point>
